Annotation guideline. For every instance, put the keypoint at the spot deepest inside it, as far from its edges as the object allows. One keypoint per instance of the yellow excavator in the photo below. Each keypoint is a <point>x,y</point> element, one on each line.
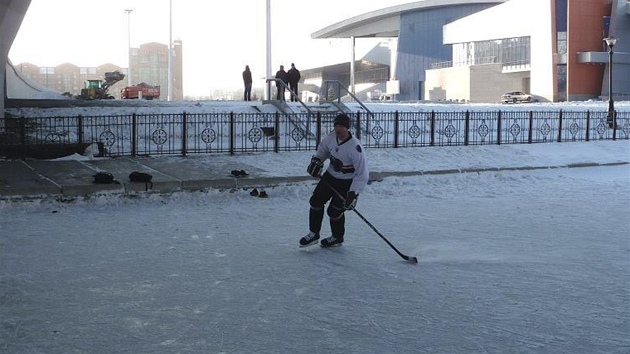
<point>97,89</point>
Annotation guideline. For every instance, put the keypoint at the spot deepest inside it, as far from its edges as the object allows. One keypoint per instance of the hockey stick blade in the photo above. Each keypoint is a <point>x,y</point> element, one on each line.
<point>413,260</point>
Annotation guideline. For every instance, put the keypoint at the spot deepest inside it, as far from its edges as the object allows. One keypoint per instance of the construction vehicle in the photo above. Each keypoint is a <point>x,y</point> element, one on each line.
<point>97,89</point>
<point>140,91</point>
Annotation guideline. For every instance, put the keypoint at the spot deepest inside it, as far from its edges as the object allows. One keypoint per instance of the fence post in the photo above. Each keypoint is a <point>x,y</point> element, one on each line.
<point>530,135</point>
<point>318,132</point>
<point>357,127</point>
<point>184,134</point>
<point>276,135</point>
<point>23,136</point>
<point>232,133</point>
<point>396,128</point>
<point>499,126</point>
<point>588,124</point>
<point>614,125</point>
<point>466,128</point>
<point>134,135</point>
<point>560,127</point>
<point>432,137</point>
<point>80,129</point>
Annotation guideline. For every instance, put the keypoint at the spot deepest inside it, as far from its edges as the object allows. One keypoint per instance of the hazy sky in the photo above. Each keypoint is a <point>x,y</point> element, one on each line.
<point>219,37</point>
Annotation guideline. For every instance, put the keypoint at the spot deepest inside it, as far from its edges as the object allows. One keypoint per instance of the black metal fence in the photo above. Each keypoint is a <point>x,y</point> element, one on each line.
<point>185,133</point>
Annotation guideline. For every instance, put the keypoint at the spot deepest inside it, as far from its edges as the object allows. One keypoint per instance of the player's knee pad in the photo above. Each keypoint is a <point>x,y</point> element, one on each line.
<point>334,212</point>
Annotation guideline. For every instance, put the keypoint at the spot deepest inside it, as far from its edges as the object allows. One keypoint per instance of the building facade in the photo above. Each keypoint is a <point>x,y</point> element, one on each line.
<point>474,51</point>
<point>68,78</point>
<point>149,64</point>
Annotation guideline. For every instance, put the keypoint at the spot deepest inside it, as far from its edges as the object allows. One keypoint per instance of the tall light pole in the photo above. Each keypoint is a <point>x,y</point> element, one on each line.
<point>268,49</point>
<point>170,51</point>
<point>128,11</point>
<point>611,117</point>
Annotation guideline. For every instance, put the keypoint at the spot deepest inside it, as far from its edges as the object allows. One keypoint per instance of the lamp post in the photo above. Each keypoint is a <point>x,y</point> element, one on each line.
<point>128,11</point>
<point>268,74</point>
<point>170,51</point>
<point>611,117</point>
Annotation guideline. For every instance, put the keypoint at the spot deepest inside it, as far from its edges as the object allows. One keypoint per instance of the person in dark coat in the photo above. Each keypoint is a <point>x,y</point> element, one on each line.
<point>284,76</point>
<point>294,78</point>
<point>247,80</point>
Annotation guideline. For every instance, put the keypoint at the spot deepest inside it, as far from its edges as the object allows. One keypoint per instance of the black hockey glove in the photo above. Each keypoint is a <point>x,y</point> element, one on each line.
<point>315,167</point>
<point>351,200</point>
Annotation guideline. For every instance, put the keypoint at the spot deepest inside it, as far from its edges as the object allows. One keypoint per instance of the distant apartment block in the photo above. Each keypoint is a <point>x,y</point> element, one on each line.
<point>149,64</point>
<point>69,77</point>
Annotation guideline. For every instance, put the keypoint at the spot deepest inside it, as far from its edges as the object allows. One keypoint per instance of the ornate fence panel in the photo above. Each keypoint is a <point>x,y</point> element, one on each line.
<point>296,132</point>
<point>449,129</point>
<point>207,133</point>
<point>159,134</point>
<point>515,128</point>
<point>378,130</point>
<point>482,128</point>
<point>414,129</point>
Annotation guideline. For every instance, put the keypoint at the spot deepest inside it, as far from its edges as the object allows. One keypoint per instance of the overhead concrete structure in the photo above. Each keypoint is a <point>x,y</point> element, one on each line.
<point>11,16</point>
<point>20,87</point>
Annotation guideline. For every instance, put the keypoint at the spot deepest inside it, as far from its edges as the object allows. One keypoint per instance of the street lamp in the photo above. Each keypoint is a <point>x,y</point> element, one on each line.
<point>170,51</point>
<point>128,11</point>
<point>611,117</point>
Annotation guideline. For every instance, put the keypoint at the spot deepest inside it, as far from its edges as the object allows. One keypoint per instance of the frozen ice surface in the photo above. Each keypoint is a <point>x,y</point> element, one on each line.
<point>509,262</point>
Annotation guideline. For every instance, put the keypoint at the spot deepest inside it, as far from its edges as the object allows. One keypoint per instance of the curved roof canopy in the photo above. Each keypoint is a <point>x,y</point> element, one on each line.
<point>386,22</point>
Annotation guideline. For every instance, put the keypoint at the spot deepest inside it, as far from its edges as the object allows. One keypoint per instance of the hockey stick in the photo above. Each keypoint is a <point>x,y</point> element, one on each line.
<point>413,260</point>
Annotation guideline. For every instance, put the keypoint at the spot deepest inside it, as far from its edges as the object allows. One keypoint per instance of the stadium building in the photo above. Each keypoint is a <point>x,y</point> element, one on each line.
<point>474,51</point>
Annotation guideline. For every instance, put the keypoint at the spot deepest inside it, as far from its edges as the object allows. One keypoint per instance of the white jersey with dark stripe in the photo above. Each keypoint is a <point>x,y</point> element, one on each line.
<point>347,160</point>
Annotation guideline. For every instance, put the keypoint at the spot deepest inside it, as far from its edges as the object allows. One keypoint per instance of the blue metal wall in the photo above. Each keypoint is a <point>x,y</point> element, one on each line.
<point>420,44</point>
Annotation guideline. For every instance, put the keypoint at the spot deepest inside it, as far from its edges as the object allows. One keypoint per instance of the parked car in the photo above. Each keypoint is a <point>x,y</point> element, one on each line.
<point>516,96</point>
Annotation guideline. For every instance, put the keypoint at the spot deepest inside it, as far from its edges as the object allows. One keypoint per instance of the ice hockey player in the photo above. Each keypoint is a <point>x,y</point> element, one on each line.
<point>347,173</point>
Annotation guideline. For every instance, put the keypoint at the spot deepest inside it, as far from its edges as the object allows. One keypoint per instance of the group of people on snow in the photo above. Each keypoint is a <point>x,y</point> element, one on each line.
<point>284,78</point>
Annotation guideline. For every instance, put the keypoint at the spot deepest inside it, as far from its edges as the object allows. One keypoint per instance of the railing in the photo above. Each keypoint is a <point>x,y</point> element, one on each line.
<point>185,133</point>
<point>337,97</point>
<point>293,94</point>
<point>479,61</point>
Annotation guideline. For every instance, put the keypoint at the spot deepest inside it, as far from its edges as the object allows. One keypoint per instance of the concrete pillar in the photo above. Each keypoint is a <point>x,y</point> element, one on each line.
<point>11,15</point>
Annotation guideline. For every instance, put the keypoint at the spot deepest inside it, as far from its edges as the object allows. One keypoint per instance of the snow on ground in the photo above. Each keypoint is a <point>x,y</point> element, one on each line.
<point>528,261</point>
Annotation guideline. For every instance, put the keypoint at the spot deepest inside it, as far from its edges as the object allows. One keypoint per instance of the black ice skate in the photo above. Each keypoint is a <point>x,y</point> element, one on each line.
<point>332,241</point>
<point>310,239</point>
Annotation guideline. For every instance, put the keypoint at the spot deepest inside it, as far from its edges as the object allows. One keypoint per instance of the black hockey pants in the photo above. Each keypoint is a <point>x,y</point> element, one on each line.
<point>321,195</point>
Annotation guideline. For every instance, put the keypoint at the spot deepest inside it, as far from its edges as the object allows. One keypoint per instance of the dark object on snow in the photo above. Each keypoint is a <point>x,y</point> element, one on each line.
<point>103,178</point>
<point>239,173</point>
<point>263,194</point>
<point>142,177</point>
<point>254,192</point>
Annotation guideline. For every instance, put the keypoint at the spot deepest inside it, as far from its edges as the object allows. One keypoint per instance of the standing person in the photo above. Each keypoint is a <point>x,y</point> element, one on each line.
<point>247,80</point>
<point>294,78</point>
<point>282,75</point>
<point>347,173</point>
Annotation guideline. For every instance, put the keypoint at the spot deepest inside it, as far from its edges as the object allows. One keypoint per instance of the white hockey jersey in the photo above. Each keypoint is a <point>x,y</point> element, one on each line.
<point>347,160</point>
